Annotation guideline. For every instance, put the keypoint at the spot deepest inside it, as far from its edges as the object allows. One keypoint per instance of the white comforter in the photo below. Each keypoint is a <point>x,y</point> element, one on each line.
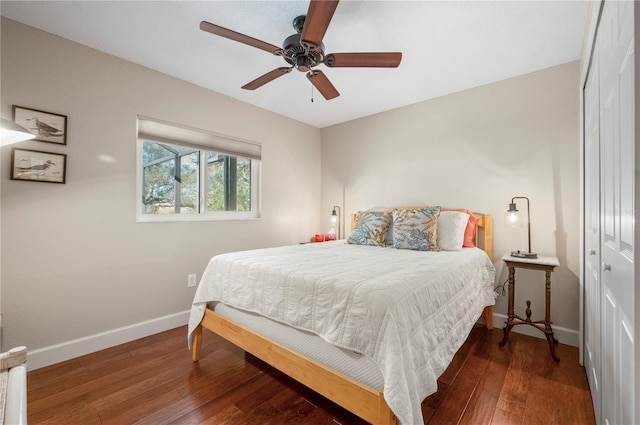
<point>409,311</point>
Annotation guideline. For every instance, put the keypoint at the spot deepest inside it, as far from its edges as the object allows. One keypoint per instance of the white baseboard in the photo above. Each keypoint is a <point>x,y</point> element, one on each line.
<point>563,335</point>
<point>78,347</point>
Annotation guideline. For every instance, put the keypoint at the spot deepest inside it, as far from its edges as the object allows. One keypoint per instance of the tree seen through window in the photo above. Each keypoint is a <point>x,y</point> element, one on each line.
<point>172,177</point>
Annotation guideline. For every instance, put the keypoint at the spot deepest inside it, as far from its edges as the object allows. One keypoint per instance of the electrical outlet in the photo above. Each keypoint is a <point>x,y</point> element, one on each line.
<point>191,280</point>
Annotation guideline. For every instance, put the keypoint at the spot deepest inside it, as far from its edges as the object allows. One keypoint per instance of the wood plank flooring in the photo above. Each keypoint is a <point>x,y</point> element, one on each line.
<point>153,381</point>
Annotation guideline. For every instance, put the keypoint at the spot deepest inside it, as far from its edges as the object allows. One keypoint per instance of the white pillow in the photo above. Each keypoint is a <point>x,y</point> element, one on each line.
<point>451,227</point>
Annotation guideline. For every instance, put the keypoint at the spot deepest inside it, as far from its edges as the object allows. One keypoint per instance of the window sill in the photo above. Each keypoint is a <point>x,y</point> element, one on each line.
<point>172,218</point>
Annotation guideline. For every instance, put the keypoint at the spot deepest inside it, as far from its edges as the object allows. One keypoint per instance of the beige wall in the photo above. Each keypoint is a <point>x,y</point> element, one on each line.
<point>478,149</point>
<point>74,261</point>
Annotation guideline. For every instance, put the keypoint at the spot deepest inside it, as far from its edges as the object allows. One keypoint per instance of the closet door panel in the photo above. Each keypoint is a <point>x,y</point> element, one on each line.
<point>625,255</point>
<point>609,390</point>
<point>592,298</point>
<point>615,40</point>
<point>627,155</point>
<point>627,398</point>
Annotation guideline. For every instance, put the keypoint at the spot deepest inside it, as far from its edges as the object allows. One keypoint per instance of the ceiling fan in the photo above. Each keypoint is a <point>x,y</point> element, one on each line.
<point>304,50</point>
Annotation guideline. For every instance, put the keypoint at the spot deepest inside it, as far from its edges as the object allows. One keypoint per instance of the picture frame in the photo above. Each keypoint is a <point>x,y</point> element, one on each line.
<point>38,166</point>
<point>46,126</point>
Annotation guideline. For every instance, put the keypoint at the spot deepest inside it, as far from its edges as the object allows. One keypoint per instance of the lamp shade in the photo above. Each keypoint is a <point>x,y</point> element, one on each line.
<point>513,218</point>
<point>13,133</point>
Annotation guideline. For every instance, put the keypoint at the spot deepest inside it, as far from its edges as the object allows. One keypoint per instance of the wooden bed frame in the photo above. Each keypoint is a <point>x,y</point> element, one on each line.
<point>365,402</point>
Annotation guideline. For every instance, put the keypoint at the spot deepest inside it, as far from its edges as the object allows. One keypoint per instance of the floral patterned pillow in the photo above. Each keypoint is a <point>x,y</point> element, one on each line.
<point>416,229</point>
<point>371,228</point>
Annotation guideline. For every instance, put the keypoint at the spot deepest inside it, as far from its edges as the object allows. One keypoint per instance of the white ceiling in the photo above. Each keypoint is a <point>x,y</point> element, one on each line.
<point>447,46</point>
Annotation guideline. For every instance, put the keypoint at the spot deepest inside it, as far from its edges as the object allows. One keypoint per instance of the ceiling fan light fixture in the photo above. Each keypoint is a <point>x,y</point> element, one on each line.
<point>304,63</point>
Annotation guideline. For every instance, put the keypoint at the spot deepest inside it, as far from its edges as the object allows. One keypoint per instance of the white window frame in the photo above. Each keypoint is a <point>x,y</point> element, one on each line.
<point>153,130</point>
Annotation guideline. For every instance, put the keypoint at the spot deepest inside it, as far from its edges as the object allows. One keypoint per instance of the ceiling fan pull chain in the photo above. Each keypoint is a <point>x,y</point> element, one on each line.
<point>311,93</point>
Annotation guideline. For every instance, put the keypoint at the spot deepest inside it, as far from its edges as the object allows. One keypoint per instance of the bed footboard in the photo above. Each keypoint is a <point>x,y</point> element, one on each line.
<point>359,399</point>
<point>488,317</point>
<point>353,396</point>
<point>196,344</point>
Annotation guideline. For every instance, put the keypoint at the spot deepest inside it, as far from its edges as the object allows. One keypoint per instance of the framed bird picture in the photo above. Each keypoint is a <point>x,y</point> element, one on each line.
<point>46,126</point>
<point>38,166</point>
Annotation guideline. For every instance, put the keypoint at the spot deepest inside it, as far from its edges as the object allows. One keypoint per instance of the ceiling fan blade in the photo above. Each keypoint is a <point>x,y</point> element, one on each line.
<point>236,36</point>
<point>317,21</point>
<point>373,60</point>
<point>322,83</point>
<point>268,77</point>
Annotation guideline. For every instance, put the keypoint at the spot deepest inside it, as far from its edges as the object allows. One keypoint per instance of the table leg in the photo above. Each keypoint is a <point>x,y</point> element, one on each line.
<point>552,346</point>
<point>510,313</point>
<point>547,318</point>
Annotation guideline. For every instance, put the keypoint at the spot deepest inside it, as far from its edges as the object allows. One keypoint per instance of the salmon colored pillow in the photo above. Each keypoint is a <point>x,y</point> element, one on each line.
<point>470,231</point>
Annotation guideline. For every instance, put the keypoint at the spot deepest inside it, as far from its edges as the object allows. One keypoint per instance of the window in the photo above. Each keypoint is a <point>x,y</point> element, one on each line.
<point>186,174</point>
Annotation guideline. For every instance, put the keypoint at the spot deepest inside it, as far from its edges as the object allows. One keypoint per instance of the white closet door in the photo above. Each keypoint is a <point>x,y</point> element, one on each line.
<point>592,297</point>
<point>616,50</point>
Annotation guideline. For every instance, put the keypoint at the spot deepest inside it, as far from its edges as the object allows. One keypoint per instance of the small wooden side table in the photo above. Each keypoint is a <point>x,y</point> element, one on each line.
<point>546,264</point>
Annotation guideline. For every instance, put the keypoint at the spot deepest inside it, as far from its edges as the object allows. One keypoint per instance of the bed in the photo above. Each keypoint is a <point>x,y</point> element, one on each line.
<point>358,324</point>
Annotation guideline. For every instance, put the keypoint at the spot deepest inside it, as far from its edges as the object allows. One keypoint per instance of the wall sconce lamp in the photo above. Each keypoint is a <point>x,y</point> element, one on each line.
<point>513,218</point>
<point>13,133</point>
<point>335,217</point>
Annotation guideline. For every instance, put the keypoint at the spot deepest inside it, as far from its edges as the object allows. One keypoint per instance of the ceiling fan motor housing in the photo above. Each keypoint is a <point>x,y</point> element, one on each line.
<point>303,59</point>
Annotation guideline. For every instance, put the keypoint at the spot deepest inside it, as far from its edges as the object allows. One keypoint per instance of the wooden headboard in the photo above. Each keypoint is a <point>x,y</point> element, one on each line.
<point>484,232</point>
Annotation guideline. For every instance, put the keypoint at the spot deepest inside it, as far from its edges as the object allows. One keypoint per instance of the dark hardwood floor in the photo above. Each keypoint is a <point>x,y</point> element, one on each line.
<point>153,381</point>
